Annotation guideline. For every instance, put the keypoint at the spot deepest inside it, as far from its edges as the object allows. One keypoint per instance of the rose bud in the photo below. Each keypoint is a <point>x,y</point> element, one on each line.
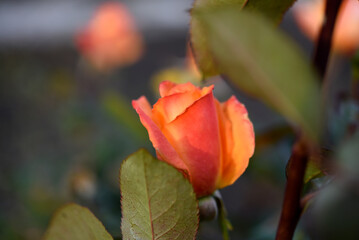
<point>111,38</point>
<point>208,141</point>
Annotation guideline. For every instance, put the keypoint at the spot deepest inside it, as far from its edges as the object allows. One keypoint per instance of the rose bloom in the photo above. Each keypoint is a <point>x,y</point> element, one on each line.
<point>210,142</point>
<point>310,16</point>
<point>111,38</point>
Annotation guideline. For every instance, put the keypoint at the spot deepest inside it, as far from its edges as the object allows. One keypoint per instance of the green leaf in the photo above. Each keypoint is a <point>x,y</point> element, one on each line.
<point>318,165</point>
<point>348,156</point>
<point>74,222</point>
<point>157,201</point>
<point>274,10</point>
<point>120,109</point>
<point>312,171</point>
<point>262,61</point>
<point>355,70</point>
<point>199,43</point>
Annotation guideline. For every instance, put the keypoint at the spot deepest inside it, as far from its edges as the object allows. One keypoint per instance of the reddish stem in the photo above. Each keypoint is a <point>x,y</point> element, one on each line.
<point>320,59</point>
<point>297,164</point>
<point>292,208</point>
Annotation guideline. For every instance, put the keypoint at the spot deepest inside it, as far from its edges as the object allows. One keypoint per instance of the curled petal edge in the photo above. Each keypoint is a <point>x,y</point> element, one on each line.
<point>163,148</point>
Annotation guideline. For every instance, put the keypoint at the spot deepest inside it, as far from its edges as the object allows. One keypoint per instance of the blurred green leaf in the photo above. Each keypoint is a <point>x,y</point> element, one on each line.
<point>355,66</point>
<point>262,61</point>
<point>343,121</point>
<point>274,10</point>
<point>336,206</point>
<point>122,111</point>
<point>348,156</point>
<point>74,222</point>
<point>336,211</point>
<point>312,171</point>
<point>157,201</point>
<point>199,42</point>
<point>318,165</point>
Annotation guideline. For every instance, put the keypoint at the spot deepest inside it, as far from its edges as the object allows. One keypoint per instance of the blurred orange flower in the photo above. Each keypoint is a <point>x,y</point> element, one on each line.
<point>111,38</point>
<point>209,141</point>
<point>310,16</point>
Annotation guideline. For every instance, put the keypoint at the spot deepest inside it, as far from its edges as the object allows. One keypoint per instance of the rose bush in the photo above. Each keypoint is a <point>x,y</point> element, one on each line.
<point>209,141</point>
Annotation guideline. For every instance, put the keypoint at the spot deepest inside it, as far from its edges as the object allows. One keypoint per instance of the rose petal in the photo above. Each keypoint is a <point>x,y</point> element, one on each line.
<point>237,137</point>
<point>168,88</point>
<point>143,104</point>
<point>169,107</point>
<point>164,149</point>
<point>195,136</point>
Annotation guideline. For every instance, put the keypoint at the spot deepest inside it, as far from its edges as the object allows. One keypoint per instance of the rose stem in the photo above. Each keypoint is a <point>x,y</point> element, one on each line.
<point>292,209</point>
<point>321,54</point>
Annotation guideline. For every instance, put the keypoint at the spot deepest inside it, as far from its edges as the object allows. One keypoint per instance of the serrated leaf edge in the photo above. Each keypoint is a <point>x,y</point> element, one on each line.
<point>144,150</point>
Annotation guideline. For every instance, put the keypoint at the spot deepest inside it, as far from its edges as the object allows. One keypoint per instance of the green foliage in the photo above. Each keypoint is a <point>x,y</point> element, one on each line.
<point>355,65</point>
<point>336,212</point>
<point>262,61</point>
<point>74,222</point>
<point>274,10</point>
<point>312,171</point>
<point>199,41</point>
<point>348,155</point>
<point>120,109</point>
<point>157,201</point>
<point>335,208</point>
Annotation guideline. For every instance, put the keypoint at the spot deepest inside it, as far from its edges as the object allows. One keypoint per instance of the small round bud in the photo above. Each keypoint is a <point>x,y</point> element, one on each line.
<point>208,209</point>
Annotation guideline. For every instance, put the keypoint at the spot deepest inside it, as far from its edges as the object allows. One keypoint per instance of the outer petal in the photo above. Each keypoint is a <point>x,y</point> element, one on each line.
<point>171,106</point>
<point>164,149</point>
<point>237,137</point>
<point>168,88</point>
<point>195,136</point>
<point>143,104</point>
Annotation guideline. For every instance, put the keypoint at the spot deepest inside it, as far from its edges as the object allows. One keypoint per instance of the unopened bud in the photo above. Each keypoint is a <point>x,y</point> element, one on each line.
<point>208,209</point>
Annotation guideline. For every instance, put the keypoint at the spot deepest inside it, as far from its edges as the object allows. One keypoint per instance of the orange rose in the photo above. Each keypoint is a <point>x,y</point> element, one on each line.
<point>111,38</point>
<point>210,142</point>
<point>310,16</point>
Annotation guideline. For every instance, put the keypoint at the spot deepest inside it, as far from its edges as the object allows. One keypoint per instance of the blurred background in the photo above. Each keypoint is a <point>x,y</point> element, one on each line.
<point>66,118</point>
